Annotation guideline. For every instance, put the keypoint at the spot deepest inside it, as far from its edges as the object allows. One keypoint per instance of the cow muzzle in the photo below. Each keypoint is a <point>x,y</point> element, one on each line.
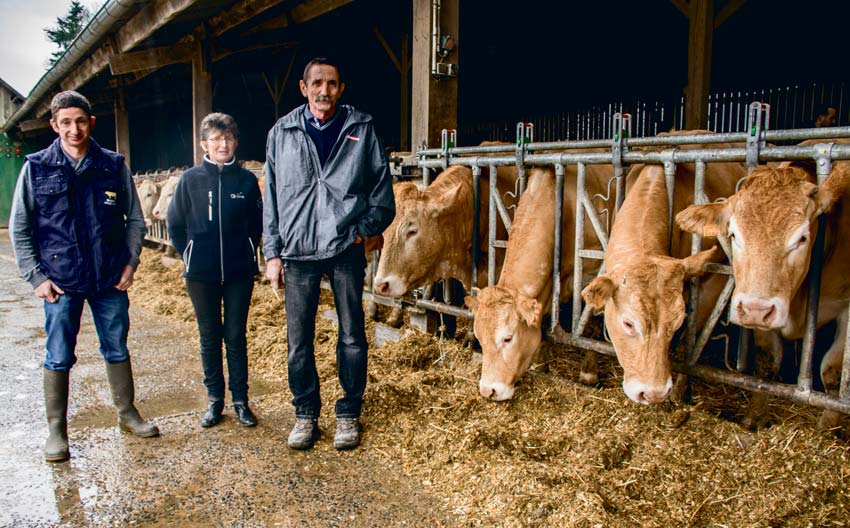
<point>755,312</point>
<point>495,391</point>
<point>647,394</point>
<point>389,286</point>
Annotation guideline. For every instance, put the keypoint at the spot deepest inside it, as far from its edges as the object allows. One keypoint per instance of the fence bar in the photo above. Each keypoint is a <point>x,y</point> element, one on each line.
<point>556,254</point>
<point>696,246</point>
<point>670,182</point>
<point>476,223</point>
<point>844,391</point>
<point>578,266</point>
<point>491,246</point>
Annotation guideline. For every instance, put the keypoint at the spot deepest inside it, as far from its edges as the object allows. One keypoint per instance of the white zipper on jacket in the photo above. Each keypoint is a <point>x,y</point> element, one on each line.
<point>187,255</point>
<point>220,237</point>
<point>209,209</point>
<point>253,249</point>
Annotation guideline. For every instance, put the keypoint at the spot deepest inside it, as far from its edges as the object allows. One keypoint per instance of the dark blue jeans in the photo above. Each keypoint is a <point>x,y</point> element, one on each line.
<point>207,298</point>
<point>302,281</point>
<point>62,324</point>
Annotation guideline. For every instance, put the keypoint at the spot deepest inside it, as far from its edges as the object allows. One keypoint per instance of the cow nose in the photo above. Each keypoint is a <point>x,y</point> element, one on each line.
<point>652,396</point>
<point>759,312</point>
<point>487,392</point>
<point>382,288</point>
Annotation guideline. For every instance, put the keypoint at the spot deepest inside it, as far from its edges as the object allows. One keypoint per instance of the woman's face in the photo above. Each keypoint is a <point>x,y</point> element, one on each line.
<point>220,146</point>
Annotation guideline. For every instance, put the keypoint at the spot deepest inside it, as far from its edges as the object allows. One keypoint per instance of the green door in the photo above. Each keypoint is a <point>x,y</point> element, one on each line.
<point>11,160</point>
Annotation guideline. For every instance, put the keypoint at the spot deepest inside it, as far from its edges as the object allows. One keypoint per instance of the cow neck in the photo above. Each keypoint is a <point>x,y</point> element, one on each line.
<point>528,259</point>
<point>642,224</point>
<point>456,228</point>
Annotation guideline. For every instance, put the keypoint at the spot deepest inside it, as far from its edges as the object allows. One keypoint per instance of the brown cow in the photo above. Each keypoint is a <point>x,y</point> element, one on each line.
<point>771,223</point>
<point>430,237</point>
<point>508,316</point>
<point>642,289</point>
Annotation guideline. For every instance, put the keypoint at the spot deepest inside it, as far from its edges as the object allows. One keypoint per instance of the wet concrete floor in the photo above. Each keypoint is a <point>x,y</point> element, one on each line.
<point>224,476</point>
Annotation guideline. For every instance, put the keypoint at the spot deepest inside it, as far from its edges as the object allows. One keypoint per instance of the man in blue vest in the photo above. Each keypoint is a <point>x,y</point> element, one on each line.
<point>77,229</point>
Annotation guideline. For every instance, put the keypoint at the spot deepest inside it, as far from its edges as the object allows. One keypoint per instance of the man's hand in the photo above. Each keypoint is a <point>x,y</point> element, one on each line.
<point>126,279</point>
<point>48,291</point>
<point>274,272</point>
<point>373,243</point>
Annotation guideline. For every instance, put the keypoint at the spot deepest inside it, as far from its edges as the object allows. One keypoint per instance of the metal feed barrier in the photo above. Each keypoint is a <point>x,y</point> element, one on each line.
<point>618,153</point>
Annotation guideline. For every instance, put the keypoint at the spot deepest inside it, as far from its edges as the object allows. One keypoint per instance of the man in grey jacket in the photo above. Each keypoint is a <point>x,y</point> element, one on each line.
<point>77,230</point>
<point>327,188</point>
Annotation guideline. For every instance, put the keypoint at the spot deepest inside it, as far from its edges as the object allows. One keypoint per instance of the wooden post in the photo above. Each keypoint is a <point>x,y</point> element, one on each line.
<point>404,143</point>
<point>700,32</point>
<point>434,105</point>
<point>201,97</point>
<point>122,127</point>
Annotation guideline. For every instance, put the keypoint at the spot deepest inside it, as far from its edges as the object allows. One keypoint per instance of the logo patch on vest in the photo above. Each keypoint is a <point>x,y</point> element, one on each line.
<point>111,197</point>
<point>237,196</point>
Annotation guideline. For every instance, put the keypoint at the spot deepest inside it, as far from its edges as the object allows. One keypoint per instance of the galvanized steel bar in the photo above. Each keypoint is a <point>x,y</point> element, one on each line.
<point>476,223</point>
<point>670,183</point>
<point>711,322</point>
<point>556,256</point>
<point>578,267</point>
<point>696,247</point>
<point>844,390</point>
<point>804,381</point>
<point>491,247</point>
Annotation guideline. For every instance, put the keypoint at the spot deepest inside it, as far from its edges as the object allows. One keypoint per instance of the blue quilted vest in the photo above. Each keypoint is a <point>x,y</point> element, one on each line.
<point>79,224</point>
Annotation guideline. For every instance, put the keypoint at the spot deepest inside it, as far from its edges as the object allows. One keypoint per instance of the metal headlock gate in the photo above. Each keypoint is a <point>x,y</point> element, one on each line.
<point>618,153</point>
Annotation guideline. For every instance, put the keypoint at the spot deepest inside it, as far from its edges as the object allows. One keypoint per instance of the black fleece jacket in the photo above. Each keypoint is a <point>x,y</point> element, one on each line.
<point>215,221</point>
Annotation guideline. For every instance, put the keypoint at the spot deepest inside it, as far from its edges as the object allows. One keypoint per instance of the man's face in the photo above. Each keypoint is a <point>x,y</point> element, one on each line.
<point>73,126</point>
<point>322,89</point>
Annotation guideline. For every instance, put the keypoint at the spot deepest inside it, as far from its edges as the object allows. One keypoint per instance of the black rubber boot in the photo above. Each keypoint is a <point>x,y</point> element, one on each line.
<point>120,377</point>
<point>56,404</point>
<point>213,415</point>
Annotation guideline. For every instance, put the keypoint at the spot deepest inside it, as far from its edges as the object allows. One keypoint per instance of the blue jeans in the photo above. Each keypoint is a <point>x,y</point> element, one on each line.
<point>109,309</point>
<point>207,297</point>
<point>302,279</point>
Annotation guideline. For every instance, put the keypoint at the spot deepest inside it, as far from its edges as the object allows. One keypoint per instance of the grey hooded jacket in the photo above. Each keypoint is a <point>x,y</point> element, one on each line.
<point>312,212</point>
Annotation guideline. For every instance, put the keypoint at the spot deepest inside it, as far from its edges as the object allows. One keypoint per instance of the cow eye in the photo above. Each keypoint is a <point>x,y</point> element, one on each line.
<point>801,242</point>
<point>629,327</point>
<point>507,340</point>
<point>412,232</point>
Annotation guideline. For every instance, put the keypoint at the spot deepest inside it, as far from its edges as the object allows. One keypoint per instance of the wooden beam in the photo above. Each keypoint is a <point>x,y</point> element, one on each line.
<point>387,48</point>
<point>434,102</point>
<point>728,10</point>
<point>237,15</point>
<point>700,33</point>
<point>122,127</point>
<point>150,58</point>
<point>682,5</point>
<point>134,31</point>
<point>201,96</point>
<point>299,14</point>
<point>404,143</point>
<point>33,125</point>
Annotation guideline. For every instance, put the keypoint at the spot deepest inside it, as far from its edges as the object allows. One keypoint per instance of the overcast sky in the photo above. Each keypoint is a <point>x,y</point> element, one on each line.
<point>25,49</point>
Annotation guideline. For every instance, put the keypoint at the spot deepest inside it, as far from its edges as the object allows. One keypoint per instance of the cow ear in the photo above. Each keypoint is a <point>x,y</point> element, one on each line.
<point>405,191</point>
<point>445,201</point>
<point>833,188</point>
<point>530,310</point>
<point>472,303</point>
<point>695,264</point>
<point>707,220</point>
<point>597,293</point>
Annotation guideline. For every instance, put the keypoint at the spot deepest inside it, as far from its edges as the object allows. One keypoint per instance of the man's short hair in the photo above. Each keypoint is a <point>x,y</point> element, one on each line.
<point>824,109</point>
<point>69,99</point>
<point>219,121</point>
<point>321,61</point>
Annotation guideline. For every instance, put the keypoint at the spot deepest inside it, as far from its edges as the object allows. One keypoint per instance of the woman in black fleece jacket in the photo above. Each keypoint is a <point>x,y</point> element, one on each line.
<point>215,222</point>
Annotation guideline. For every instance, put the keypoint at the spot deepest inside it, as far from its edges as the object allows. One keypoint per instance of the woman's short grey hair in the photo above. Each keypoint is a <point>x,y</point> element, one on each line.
<point>219,121</point>
<point>69,99</point>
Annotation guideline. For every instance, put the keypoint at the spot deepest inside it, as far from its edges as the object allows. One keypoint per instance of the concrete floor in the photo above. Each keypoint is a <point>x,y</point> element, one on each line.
<point>225,476</point>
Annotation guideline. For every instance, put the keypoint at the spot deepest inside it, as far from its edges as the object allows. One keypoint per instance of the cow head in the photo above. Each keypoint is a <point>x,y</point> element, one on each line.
<point>507,324</point>
<point>770,223</point>
<point>148,196</point>
<point>166,192</point>
<point>416,241</point>
<point>644,306</point>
